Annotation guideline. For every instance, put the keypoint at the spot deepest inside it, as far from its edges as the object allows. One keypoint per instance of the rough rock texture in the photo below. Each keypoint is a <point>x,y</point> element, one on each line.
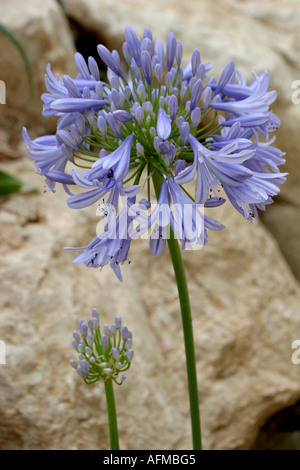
<point>283,220</point>
<point>245,300</point>
<point>257,35</point>
<point>45,36</point>
<point>246,314</point>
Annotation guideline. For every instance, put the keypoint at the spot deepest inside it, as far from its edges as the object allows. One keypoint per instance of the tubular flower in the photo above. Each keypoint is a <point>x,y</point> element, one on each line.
<point>177,127</point>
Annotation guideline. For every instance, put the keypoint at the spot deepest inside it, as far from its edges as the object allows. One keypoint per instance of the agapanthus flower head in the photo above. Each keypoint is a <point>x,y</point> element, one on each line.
<point>102,355</point>
<point>152,117</point>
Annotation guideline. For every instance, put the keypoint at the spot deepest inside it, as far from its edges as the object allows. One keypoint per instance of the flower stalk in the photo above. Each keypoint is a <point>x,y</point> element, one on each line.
<point>186,318</point>
<point>112,415</point>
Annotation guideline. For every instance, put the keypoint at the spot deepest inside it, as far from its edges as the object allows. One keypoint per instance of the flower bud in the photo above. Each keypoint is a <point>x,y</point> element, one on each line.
<point>171,50</point>
<point>104,342</point>
<point>115,353</point>
<point>130,354</point>
<point>195,117</point>
<point>179,52</point>
<point>195,61</point>
<point>173,107</point>
<point>139,115</point>
<point>124,332</point>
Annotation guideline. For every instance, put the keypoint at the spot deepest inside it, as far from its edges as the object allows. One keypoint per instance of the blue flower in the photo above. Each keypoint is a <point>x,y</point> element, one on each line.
<point>157,221</point>
<point>189,224</point>
<point>113,167</point>
<point>112,245</point>
<point>48,156</point>
<point>113,136</point>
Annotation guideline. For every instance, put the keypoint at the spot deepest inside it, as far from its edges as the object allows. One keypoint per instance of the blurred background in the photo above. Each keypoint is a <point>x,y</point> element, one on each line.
<point>244,283</point>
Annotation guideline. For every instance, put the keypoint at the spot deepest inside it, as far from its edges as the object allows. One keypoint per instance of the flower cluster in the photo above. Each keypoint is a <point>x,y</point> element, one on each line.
<point>159,121</point>
<point>102,356</point>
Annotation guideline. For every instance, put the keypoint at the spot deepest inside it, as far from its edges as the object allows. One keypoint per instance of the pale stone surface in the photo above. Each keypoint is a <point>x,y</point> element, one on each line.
<point>245,300</point>
<point>45,36</point>
<point>282,219</point>
<point>246,314</point>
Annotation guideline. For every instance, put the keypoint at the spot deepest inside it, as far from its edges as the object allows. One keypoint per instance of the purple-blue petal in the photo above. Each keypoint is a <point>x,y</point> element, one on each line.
<point>163,125</point>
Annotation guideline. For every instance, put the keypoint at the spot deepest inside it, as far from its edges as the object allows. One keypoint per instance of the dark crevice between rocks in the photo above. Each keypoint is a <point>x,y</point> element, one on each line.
<point>281,431</point>
<point>86,42</point>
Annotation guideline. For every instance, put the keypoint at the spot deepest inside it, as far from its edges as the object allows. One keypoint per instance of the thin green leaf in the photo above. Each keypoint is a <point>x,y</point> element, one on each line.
<point>18,45</point>
<point>9,185</point>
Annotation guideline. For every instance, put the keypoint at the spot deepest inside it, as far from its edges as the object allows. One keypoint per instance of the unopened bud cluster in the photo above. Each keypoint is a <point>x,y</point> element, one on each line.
<point>102,355</point>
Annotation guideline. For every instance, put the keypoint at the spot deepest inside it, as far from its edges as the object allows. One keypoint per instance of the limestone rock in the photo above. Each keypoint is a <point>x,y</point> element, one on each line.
<point>44,33</point>
<point>245,300</point>
<point>245,306</point>
<point>282,219</point>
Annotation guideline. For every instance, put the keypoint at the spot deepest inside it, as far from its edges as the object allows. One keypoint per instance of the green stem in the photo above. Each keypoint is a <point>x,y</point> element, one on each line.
<point>23,54</point>
<point>188,338</point>
<point>186,316</point>
<point>112,415</point>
